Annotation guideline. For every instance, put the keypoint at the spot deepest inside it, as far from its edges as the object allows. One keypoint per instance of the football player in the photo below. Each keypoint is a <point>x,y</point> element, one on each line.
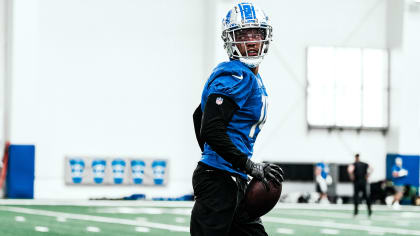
<point>323,179</point>
<point>232,112</point>
<point>398,178</point>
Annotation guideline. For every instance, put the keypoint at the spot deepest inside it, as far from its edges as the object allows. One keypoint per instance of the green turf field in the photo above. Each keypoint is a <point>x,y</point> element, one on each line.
<point>22,218</point>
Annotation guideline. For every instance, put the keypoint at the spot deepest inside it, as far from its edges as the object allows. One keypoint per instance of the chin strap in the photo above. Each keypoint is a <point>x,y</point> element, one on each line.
<point>251,62</point>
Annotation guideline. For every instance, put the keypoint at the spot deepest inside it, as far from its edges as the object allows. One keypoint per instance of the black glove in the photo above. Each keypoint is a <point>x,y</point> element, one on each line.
<point>265,172</point>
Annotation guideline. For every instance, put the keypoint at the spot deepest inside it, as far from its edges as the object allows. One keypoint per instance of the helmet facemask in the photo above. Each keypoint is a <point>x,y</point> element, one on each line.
<point>261,40</point>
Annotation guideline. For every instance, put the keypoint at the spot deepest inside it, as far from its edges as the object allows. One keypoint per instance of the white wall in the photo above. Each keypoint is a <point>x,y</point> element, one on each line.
<point>108,77</point>
<point>405,73</point>
<point>3,67</point>
<point>297,25</point>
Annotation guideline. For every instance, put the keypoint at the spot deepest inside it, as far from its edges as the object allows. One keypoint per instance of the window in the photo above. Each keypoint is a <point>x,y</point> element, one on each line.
<point>303,172</point>
<point>347,88</point>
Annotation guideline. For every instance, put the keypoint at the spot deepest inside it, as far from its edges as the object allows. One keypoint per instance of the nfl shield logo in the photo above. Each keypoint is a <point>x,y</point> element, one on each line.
<point>219,101</point>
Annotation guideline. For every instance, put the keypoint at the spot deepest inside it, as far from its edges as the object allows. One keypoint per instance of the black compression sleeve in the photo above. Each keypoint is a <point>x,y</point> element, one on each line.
<point>218,112</point>
<point>198,114</point>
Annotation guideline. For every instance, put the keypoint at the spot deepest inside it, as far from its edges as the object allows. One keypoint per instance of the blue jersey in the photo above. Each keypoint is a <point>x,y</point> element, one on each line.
<point>324,169</point>
<point>398,181</point>
<point>236,81</point>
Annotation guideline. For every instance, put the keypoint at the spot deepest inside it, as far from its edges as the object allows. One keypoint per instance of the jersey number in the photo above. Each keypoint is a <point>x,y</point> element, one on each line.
<point>262,119</point>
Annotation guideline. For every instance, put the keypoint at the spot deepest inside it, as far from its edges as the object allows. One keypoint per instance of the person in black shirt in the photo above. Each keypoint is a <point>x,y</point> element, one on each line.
<point>359,173</point>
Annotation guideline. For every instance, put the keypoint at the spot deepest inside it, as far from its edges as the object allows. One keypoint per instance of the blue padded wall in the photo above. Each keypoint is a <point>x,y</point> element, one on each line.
<point>21,171</point>
<point>410,162</point>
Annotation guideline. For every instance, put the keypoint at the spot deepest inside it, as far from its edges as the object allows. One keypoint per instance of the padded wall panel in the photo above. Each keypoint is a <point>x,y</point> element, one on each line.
<point>21,171</point>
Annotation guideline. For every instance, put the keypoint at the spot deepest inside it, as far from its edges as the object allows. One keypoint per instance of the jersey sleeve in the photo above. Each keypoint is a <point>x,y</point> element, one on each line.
<point>197,116</point>
<point>214,132</point>
<point>394,169</point>
<point>236,87</point>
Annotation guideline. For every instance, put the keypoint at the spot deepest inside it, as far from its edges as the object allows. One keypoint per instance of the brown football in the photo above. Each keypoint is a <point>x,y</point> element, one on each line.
<point>259,201</point>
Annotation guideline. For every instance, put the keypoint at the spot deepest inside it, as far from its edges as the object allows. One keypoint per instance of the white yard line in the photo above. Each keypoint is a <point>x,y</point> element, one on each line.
<point>336,225</point>
<point>337,215</point>
<point>145,210</point>
<point>189,204</point>
<point>330,231</point>
<point>96,218</point>
<point>20,219</point>
<point>375,233</point>
<point>61,219</point>
<point>93,229</point>
<point>285,231</point>
<point>142,229</point>
<point>139,203</point>
<point>347,207</point>
<point>41,229</point>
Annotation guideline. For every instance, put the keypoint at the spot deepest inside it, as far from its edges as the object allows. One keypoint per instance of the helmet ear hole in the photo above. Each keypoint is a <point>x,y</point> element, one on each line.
<point>266,46</point>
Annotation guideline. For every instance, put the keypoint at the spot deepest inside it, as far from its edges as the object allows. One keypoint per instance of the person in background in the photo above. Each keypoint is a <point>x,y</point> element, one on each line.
<point>359,173</point>
<point>323,179</point>
<point>399,175</point>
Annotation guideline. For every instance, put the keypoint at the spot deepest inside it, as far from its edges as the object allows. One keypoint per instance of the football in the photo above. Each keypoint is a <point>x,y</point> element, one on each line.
<point>259,201</point>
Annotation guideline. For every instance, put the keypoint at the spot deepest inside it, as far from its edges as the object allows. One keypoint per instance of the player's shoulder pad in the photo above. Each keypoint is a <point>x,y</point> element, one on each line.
<point>231,74</point>
<point>232,79</point>
<point>235,69</point>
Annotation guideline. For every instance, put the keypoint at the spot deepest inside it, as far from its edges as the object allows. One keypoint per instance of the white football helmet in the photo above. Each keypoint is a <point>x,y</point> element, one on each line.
<point>244,16</point>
